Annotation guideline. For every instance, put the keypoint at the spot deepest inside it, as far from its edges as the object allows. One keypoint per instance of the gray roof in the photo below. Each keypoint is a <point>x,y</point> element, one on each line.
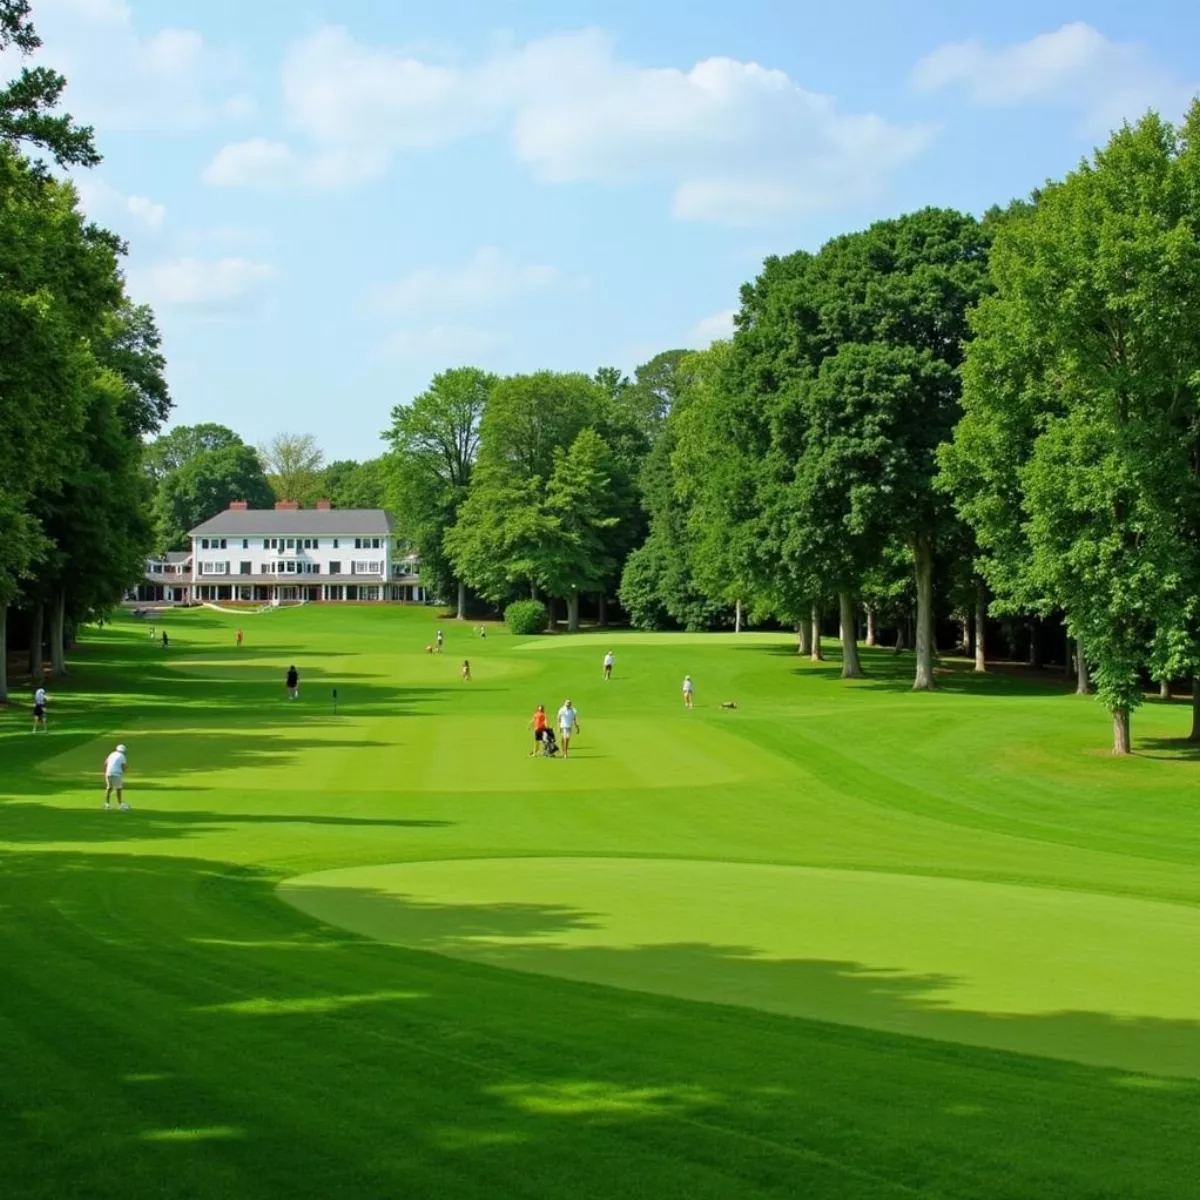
<point>303,522</point>
<point>177,556</point>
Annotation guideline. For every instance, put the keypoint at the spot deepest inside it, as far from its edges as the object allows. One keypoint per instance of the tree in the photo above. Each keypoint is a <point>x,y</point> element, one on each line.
<point>435,441</point>
<point>581,503</point>
<point>180,445</point>
<point>58,278</point>
<point>204,486</point>
<point>363,487</point>
<point>28,102</point>
<point>131,347</point>
<point>1076,460</point>
<point>293,463</point>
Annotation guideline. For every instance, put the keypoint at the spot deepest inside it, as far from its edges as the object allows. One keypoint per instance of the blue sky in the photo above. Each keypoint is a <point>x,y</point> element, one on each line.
<point>326,203</point>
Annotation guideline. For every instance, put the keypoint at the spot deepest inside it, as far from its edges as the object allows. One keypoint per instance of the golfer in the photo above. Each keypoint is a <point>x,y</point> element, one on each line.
<point>239,638</point>
<point>114,778</point>
<point>688,689</point>
<point>466,671</point>
<point>439,641</point>
<point>538,722</point>
<point>608,665</point>
<point>39,710</point>
<point>293,684</point>
<point>568,723</point>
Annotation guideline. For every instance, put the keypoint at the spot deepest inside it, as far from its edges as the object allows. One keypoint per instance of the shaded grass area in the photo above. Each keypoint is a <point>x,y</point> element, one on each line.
<point>169,1027</point>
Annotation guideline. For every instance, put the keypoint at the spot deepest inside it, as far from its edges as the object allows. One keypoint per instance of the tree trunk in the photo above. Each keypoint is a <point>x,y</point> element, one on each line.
<point>602,607</point>
<point>815,651</point>
<point>980,627</point>
<point>37,639</point>
<point>964,625</point>
<point>551,613</point>
<point>901,625</point>
<point>851,668</point>
<point>58,622</point>
<point>462,600</point>
<point>1164,689</point>
<point>1121,744</point>
<point>1083,685</point>
<point>1194,736</point>
<point>3,653</point>
<point>737,617</point>
<point>804,638</point>
<point>870,625</point>
<point>1035,644</point>
<point>573,612</point>
<point>923,556</point>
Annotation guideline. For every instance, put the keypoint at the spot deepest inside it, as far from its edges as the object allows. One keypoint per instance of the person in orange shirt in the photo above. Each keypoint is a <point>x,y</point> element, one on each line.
<point>538,723</point>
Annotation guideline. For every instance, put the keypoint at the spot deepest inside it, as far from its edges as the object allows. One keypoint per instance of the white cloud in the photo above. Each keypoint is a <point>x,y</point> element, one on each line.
<point>712,329</point>
<point>442,343</point>
<point>734,141</point>
<point>487,279</point>
<point>1075,67</point>
<point>254,163</point>
<point>121,78</point>
<point>199,283</point>
<point>108,206</point>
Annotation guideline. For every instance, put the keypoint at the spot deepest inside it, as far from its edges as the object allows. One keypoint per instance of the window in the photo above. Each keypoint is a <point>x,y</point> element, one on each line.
<point>244,568</point>
<point>335,543</point>
<point>245,543</point>
<point>214,568</point>
<point>335,568</point>
<point>366,567</point>
<point>291,543</point>
<point>204,543</point>
<point>266,543</point>
<point>223,546</point>
<point>374,543</point>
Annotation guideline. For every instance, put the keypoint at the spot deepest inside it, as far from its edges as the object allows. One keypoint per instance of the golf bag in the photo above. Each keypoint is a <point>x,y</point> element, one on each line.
<point>549,743</point>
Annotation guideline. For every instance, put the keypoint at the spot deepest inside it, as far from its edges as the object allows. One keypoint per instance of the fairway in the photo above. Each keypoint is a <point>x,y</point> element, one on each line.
<point>845,940</point>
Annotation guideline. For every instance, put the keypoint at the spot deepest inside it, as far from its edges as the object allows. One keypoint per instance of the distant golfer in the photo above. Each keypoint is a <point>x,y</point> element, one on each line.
<point>439,641</point>
<point>466,671</point>
<point>166,640</point>
<point>568,723</point>
<point>688,689</point>
<point>114,778</point>
<point>39,710</point>
<point>538,724</point>
<point>239,638</point>
<point>608,665</point>
<point>293,684</point>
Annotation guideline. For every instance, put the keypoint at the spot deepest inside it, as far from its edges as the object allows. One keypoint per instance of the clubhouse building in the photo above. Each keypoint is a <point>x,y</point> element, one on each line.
<point>287,554</point>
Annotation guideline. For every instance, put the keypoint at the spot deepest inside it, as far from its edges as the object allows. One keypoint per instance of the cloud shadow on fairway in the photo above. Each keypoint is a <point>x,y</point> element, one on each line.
<point>349,1068</point>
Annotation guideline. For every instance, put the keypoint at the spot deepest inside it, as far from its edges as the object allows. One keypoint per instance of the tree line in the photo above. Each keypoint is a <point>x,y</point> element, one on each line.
<point>937,416</point>
<point>81,378</point>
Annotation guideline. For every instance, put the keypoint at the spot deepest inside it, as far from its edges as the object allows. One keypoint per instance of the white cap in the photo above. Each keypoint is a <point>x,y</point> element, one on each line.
<point>121,749</point>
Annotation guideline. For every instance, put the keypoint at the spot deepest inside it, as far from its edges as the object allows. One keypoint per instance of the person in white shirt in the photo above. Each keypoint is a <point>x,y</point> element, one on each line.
<point>114,778</point>
<point>39,710</point>
<point>608,665</point>
<point>687,691</point>
<point>568,723</point>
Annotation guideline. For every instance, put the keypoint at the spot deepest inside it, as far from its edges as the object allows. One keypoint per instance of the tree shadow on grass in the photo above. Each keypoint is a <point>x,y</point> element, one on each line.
<point>228,1045</point>
<point>1168,749</point>
<point>886,671</point>
<point>41,823</point>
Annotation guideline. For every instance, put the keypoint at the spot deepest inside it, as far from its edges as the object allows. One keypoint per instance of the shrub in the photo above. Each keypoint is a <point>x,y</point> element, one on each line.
<point>526,616</point>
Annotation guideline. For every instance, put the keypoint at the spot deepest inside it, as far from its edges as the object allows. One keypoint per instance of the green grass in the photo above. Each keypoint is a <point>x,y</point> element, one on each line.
<point>845,941</point>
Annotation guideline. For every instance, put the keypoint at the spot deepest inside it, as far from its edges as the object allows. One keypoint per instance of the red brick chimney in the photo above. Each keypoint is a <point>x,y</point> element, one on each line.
<point>286,505</point>
<point>237,506</point>
<point>324,505</point>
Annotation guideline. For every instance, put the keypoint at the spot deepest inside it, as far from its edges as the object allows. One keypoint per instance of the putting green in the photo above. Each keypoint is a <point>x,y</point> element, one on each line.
<point>1094,978</point>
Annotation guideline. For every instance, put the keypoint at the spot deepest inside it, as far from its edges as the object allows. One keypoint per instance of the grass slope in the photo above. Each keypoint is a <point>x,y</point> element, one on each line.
<point>172,1026</point>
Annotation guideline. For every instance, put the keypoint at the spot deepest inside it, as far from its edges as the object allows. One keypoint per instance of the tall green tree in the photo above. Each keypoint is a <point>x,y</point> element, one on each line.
<point>177,447</point>
<point>204,486</point>
<point>58,279</point>
<point>434,444</point>
<point>1076,459</point>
